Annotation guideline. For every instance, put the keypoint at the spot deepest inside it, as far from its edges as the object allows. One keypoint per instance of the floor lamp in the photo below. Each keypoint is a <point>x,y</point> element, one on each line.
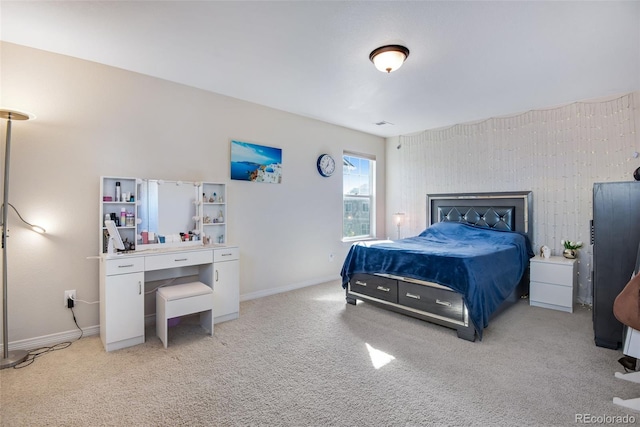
<point>12,358</point>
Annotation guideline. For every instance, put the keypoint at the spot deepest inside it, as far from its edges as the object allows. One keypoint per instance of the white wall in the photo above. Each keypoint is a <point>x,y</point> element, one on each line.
<point>94,120</point>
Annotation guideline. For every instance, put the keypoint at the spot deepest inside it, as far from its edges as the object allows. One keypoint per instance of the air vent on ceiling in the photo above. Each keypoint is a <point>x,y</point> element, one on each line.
<point>382,123</point>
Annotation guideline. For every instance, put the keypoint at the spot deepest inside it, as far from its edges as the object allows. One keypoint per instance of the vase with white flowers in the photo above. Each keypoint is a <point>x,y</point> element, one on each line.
<point>570,248</point>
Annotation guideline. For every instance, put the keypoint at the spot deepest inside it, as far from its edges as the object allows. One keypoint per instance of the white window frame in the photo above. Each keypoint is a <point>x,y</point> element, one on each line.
<point>371,197</point>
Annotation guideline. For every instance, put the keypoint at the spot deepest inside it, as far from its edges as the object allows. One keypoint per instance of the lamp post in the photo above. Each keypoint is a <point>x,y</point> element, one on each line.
<point>9,359</point>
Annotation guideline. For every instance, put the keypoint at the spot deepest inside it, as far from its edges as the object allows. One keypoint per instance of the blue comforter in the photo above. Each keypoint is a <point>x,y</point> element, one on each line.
<point>483,265</point>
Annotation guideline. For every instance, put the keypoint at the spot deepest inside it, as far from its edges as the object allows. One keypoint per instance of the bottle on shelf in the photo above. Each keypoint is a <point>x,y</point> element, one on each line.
<point>118,192</point>
<point>123,217</point>
<point>130,219</point>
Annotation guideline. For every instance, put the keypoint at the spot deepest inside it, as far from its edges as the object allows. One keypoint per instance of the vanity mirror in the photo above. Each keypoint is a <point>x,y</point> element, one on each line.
<point>166,211</point>
<point>152,213</point>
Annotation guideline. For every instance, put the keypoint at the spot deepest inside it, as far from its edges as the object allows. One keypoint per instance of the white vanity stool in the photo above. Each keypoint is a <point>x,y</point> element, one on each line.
<point>179,300</point>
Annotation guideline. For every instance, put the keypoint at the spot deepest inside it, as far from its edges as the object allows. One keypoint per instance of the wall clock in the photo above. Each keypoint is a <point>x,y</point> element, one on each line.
<point>326,165</point>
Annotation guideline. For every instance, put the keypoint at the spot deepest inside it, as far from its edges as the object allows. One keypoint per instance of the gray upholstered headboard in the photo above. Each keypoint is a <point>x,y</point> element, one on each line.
<point>503,211</point>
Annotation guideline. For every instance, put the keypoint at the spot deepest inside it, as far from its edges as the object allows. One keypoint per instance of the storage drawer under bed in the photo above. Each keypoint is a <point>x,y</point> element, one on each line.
<point>375,286</point>
<point>441,302</point>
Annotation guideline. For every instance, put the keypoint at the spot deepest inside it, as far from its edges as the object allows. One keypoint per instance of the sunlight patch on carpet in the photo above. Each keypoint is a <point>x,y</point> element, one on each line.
<point>331,297</point>
<point>378,357</point>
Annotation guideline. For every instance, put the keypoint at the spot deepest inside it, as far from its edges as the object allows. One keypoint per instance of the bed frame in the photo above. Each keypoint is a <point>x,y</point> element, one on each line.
<point>436,303</point>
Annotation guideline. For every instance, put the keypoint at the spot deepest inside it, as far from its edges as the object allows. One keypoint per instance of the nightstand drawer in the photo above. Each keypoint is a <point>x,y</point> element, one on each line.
<point>551,294</point>
<point>547,272</point>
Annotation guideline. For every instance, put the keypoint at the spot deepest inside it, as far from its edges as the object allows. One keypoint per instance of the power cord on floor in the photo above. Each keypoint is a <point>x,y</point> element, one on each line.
<point>33,354</point>
<point>76,322</point>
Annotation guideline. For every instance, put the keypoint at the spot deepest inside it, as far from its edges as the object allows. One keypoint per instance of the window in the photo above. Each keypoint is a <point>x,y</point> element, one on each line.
<point>358,196</point>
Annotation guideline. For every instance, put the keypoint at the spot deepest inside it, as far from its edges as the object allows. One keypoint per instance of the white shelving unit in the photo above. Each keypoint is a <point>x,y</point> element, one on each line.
<point>214,212</point>
<point>110,206</point>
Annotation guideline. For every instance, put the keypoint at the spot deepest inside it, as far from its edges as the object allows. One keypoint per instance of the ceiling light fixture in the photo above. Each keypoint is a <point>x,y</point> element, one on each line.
<point>389,58</point>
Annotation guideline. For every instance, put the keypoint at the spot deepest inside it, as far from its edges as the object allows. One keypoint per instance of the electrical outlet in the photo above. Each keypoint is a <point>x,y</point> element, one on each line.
<point>68,294</point>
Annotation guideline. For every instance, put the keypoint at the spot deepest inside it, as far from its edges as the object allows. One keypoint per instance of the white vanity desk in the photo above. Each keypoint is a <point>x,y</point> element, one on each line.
<point>123,278</point>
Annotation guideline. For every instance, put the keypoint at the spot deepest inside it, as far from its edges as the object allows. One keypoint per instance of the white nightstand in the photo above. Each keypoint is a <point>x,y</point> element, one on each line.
<point>552,283</point>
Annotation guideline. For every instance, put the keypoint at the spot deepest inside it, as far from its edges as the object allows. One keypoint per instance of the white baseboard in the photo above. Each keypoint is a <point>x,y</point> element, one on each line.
<point>53,339</point>
<point>287,288</point>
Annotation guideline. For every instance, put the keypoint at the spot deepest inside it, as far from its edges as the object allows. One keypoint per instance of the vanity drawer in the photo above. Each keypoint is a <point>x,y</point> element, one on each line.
<point>432,300</point>
<point>123,266</point>
<point>226,254</point>
<point>178,259</point>
<point>375,286</point>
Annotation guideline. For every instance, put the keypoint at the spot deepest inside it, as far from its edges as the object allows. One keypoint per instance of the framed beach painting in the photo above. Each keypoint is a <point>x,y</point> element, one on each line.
<point>257,163</point>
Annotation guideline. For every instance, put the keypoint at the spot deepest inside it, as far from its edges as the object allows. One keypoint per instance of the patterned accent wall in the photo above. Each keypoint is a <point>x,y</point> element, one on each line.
<point>557,153</point>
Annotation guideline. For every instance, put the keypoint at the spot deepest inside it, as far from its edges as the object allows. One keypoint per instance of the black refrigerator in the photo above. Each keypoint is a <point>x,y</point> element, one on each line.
<point>615,236</point>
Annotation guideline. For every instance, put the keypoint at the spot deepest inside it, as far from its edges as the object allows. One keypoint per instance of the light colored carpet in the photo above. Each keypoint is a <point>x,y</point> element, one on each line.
<point>303,358</point>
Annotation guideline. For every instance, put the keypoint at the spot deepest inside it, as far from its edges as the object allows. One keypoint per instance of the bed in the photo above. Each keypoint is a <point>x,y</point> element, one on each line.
<point>470,263</point>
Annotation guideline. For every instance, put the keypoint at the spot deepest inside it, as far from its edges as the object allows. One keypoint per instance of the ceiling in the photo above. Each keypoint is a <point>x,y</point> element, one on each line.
<point>468,60</point>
